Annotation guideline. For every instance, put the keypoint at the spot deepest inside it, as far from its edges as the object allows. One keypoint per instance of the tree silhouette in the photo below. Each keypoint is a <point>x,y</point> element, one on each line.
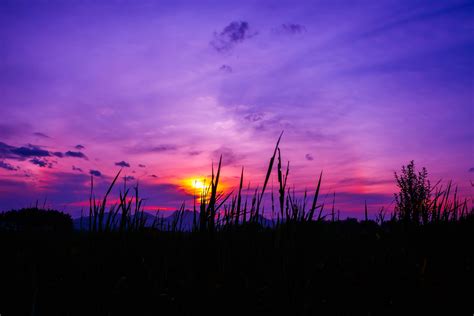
<point>35,219</point>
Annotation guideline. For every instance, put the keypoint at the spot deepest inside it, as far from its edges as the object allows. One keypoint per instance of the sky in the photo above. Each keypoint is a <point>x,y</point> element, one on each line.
<point>160,89</point>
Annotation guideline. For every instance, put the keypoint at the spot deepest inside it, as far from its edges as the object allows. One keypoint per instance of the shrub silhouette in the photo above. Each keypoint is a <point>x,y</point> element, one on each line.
<point>413,199</point>
<point>35,219</point>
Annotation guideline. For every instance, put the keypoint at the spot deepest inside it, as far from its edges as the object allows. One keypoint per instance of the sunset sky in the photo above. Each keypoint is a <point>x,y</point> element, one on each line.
<point>162,88</point>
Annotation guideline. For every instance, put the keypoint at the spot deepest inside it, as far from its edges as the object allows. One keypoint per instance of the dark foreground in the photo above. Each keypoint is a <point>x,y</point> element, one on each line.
<point>315,268</point>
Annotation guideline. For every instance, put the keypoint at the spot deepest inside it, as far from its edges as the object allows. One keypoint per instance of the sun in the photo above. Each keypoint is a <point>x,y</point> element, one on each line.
<point>198,184</point>
<point>194,185</point>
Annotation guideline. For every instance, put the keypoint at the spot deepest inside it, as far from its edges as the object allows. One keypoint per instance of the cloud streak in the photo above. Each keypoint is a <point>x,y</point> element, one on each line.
<point>7,166</point>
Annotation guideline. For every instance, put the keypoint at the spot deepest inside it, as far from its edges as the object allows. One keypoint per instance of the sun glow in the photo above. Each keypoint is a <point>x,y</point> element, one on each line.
<point>195,185</point>
<point>198,184</point>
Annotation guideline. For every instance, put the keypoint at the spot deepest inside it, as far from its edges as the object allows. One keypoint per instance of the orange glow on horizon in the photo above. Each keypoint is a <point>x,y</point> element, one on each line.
<point>198,186</point>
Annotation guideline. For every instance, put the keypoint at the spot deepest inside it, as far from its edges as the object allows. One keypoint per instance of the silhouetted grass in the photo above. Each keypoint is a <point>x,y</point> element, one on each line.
<point>305,261</point>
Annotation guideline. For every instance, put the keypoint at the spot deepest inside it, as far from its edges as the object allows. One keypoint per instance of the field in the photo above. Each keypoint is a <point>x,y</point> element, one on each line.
<point>224,257</point>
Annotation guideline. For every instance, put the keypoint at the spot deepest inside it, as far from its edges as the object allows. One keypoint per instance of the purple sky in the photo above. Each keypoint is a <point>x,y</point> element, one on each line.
<point>163,88</point>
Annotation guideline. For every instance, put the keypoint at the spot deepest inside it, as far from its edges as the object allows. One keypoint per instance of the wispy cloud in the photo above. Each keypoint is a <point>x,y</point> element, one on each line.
<point>234,33</point>
<point>229,156</point>
<point>41,135</point>
<point>43,163</point>
<point>76,169</point>
<point>7,166</point>
<point>290,28</point>
<point>226,69</point>
<point>163,148</point>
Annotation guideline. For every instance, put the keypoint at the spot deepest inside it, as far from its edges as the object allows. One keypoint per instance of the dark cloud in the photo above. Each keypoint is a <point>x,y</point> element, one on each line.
<point>22,153</point>
<point>41,135</point>
<point>96,173</point>
<point>7,166</point>
<point>76,169</point>
<point>291,28</point>
<point>79,147</point>
<point>229,157</point>
<point>154,176</point>
<point>30,151</point>
<point>43,163</point>
<point>471,170</point>
<point>36,153</point>
<point>75,154</point>
<point>309,157</point>
<point>226,68</point>
<point>141,166</point>
<point>234,33</point>
<point>6,151</point>
<point>122,164</point>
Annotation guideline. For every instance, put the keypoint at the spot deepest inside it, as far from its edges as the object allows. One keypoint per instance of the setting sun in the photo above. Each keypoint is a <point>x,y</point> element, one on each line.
<point>194,185</point>
<point>198,184</point>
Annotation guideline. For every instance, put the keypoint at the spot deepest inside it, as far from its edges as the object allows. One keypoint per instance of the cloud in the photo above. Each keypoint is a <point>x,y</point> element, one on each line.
<point>22,153</point>
<point>254,117</point>
<point>96,173</point>
<point>291,29</point>
<point>234,33</point>
<point>229,157</point>
<point>128,178</point>
<point>226,68</point>
<point>194,153</point>
<point>154,176</point>
<point>76,169</point>
<point>309,157</point>
<point>35,154</point>
<point>163,148</point>
<point>43,163</point>
<point>5,151</point>
<point>30,151</point>
<point>7,166</point>
<point>122,164</point>
<point>75,154</point>
<point>471,169</point>
<point>141,166</point>
<point>41,135</point>
<point>79,147</point>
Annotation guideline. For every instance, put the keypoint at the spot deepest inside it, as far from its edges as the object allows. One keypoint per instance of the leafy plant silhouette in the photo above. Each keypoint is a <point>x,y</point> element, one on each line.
<point>414,196</point>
